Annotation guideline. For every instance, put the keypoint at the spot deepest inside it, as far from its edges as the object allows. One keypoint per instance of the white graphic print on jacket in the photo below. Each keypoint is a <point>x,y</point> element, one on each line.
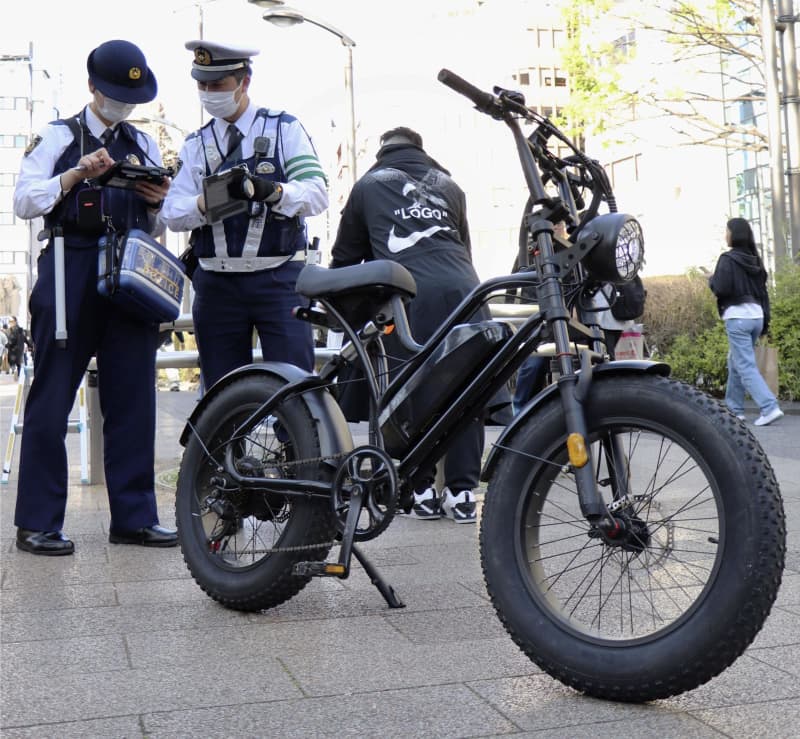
<point>425,206</point>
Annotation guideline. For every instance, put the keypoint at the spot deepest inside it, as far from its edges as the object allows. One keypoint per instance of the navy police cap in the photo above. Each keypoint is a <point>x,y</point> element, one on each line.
<point>214,61</point>
<point>119,70</point>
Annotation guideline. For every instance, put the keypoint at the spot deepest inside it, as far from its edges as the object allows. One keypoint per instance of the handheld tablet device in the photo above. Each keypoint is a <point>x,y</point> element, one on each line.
<point>125,175</point>
<point>219,203</point>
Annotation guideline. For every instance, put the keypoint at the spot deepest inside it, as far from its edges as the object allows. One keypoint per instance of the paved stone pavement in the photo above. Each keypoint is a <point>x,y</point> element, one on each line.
<point>120,642</point>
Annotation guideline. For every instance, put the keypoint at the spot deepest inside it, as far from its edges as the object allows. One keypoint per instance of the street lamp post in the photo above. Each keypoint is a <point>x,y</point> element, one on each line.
<point>284,17</point>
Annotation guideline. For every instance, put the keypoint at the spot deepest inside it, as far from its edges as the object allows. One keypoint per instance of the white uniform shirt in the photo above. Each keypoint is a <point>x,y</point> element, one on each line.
<point>301,197</point>
<point>38,190</point>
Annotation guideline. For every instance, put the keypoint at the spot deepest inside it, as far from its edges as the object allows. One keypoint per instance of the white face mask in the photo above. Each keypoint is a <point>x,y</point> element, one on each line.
<point>220,104</point>
<point>112,110</point>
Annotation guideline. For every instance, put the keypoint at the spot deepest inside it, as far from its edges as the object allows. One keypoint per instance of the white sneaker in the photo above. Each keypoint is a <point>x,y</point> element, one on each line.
<point>461,508</point>
<point>426,505</point>
<point>773,415</point>
<point>741,416</point>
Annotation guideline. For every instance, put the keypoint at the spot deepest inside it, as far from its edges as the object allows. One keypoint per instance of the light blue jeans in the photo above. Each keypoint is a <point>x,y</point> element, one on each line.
<point>743,374</point>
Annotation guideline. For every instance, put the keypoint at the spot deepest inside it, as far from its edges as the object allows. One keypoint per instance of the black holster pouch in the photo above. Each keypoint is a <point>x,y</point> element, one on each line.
<point>90,212</point>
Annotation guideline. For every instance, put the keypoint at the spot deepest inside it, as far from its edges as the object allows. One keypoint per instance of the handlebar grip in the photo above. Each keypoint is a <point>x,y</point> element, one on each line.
<point>484,101</point>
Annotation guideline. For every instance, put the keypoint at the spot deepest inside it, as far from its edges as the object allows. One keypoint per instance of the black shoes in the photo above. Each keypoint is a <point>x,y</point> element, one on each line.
<point>151,536</point>
<point>48,543</point>
<point>55,544</point>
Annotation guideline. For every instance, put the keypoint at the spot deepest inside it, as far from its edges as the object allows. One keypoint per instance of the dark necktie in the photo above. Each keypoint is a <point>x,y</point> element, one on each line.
<point>106,137</point>
<point>235,137</point>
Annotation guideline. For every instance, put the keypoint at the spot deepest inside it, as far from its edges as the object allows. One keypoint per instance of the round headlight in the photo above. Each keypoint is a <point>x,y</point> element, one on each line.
<point>619,255</point>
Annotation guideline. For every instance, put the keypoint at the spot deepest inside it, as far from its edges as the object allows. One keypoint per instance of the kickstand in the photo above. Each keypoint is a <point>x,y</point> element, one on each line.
<point>386,590</point>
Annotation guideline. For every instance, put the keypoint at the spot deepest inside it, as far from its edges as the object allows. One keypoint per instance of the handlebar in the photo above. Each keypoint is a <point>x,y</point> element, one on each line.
<point>507,105</point>
<point>485,102</point>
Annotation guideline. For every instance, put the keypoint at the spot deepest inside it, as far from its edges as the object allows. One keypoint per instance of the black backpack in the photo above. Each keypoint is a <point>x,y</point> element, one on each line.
<point>629,304</point>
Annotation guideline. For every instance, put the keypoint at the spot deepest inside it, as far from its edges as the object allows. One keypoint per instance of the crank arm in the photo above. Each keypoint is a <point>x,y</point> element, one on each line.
<point>350,526</point>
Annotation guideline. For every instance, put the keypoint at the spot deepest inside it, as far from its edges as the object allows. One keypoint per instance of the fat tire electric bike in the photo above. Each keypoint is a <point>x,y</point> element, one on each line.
<point>632,537</point>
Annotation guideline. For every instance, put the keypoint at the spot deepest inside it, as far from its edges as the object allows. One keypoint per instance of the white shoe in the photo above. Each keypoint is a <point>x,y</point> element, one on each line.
<point>426,505</point>
<point>461,508</point>
<point>741,416</point>
<point>773,415</point>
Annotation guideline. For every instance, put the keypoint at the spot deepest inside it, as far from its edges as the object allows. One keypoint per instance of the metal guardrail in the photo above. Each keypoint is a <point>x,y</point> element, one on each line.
<point>513,314</point>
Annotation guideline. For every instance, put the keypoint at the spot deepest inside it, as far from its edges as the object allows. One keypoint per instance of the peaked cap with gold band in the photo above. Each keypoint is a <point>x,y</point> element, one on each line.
<point>214,61</point>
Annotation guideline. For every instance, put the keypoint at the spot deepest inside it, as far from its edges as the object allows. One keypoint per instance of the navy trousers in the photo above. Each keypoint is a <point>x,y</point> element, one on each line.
<point>229,305</point>
<point>125,351</point>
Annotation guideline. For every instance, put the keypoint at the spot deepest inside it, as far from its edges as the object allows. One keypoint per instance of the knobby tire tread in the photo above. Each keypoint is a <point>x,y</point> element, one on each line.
<point>283,585</point>
<point>755,605</point>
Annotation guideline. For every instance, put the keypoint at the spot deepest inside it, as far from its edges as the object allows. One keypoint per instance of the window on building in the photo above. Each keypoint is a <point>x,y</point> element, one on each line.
<point>9,141</point>
<point>560,78</point>
<point>624,45</point>
<point>747,181</point>
<point>523,77</point>
<point>544,38</point>
<point>559,38</point>
<point>8,179</point>
<point>625,171</point>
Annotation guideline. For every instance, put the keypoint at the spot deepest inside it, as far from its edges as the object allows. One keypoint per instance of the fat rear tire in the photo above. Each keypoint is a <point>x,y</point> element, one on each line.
<point>226,557</point>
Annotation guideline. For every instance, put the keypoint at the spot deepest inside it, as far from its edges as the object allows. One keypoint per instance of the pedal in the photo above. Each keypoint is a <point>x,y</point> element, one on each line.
<point>319,569</point>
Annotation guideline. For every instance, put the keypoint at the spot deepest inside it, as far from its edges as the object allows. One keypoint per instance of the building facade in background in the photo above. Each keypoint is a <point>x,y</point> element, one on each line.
<point>27,101</point>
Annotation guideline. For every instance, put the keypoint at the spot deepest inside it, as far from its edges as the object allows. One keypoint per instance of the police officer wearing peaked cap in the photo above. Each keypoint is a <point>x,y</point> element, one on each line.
<point>248,261</point>
<point>214,61</point>
<point>53,183</point>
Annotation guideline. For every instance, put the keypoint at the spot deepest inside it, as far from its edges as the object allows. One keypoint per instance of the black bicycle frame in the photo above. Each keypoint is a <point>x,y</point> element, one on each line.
<point>488,379</point>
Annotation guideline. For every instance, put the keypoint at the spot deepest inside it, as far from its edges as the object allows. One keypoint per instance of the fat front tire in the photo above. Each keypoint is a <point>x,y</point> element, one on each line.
<point>674,596</point>
<point>241,545</point>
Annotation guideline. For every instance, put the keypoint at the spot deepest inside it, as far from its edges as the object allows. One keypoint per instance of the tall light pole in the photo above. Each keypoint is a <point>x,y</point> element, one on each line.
<point>778,190</point>
<point>791,100</point>
<point>284,17</point>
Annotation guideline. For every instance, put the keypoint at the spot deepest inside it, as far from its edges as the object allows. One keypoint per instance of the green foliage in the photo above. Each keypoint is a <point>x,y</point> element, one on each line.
<point>676,306</point>
<point>784,330</point>
<point>701,360</point>
<point>610,87</point>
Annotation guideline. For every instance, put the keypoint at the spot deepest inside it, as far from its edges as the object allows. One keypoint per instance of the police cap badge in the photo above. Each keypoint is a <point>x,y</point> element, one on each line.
<point>213,61</point>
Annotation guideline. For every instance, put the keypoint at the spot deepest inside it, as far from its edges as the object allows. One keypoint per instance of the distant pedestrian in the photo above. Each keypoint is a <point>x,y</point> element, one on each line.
<point>740,284</point>
<point>15,346</point>
<point>4,366</point>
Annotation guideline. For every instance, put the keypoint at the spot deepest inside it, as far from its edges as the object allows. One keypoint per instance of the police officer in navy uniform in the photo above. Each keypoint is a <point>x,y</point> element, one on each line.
<point>53,183</point>
<point>248,261</point>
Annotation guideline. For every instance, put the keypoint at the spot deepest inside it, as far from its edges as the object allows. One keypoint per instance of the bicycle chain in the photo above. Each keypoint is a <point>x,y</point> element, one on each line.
<point>303,547</point>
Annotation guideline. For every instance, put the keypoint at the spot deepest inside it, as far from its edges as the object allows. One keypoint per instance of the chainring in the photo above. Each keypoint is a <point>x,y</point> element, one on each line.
<point>372,470</point>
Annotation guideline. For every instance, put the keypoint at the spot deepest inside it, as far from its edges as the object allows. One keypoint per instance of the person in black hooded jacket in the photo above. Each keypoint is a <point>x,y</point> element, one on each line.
<point>408,209</point>
<point>739,283</point>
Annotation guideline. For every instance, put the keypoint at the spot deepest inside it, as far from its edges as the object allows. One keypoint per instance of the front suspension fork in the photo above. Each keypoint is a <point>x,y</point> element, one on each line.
<point>574,389</point>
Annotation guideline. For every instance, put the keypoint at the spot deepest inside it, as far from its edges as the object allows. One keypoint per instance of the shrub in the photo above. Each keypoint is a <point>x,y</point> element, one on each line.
<point>784,330</point>
<point>676,306</point>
